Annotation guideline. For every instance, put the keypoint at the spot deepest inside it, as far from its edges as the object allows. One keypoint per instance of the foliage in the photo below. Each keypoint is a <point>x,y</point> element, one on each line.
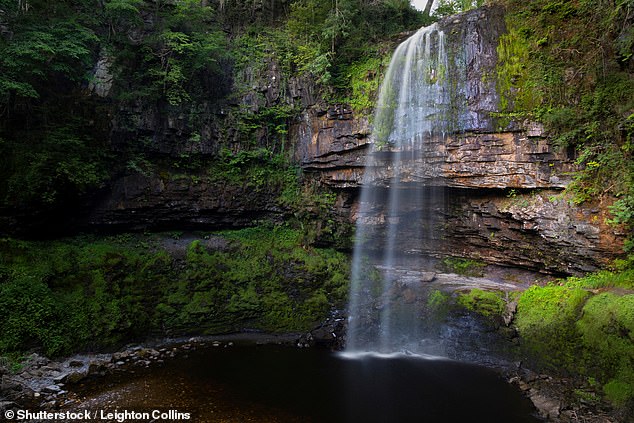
<point>568,65</point>
<point>53,44</point>
<point>87,293</point>
<point>176,57</point>
<point>451,7</point>
<point>328,37</point>
<point>604,279</point>
<point>258,169</point>
<point>58,164</point>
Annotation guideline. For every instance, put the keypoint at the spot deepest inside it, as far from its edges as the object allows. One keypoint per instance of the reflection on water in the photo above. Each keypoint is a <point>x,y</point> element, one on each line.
<point>281,384</point>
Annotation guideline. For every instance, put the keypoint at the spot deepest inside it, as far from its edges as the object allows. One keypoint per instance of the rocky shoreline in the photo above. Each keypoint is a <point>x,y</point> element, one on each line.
<point>44,384</point>
<point>552,398</point>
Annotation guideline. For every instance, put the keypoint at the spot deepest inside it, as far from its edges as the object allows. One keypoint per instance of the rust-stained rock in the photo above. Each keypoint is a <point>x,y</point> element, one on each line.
<point>337,151</point>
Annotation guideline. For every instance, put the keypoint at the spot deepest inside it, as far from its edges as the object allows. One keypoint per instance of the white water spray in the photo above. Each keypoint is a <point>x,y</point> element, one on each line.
<point>411,119</point>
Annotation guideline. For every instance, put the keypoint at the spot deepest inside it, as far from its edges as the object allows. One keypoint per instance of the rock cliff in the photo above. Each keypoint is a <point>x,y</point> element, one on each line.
<point>501,179</point>
<point>500,183</point>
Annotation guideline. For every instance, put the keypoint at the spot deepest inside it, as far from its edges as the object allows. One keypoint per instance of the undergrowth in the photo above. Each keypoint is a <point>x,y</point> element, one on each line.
<point>87,293</point>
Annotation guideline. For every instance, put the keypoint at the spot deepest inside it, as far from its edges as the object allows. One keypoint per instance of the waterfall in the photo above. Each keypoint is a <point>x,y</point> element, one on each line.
<point>400,190</point>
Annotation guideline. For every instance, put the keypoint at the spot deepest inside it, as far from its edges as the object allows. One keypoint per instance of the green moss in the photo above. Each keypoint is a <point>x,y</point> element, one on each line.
<point>487,303</point>
<point>86,292</point>
<point>437,300</point>
<point>439,304</point>
<point>619,392</point>
<point>569,330</point>
<point>604,279</point>
<point>517,91</point>
<point>549,70</point>
<point>364,78</point>
<point>546,319</point>
<point>462,266</point>
<point>607,333</point>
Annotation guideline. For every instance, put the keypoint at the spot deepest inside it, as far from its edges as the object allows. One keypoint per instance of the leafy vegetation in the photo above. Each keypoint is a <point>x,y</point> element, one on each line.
<point>175,61</point>
<point>209,75</point>
<point>199,64</point>
<point>569,65</point>
<point>451,7</point>
<point>89,293</point>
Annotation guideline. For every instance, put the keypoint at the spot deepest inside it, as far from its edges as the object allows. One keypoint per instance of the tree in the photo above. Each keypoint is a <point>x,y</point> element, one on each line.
<point>337,23</point>
<point>122,15</point>
<point>428,6</point>
<point>174,60</point>
<point>44,47</point>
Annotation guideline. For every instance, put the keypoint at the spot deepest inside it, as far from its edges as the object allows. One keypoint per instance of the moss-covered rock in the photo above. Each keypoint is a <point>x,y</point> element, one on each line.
<point>91,293</point>
<point>607,332</point>
<point>583,328</point>
<point>545,321</point>
<point>486,303</point>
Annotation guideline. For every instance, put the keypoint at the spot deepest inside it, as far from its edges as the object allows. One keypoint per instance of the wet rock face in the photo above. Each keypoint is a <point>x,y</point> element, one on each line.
<point>149,202</point>
<point>537,230</point>
<point>102,80</point>
<point>475,153</point>
<point>332,144</point>
<point>496,185</point>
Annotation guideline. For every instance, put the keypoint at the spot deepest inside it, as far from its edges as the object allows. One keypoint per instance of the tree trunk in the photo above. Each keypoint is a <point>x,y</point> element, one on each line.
<point>428,6</point>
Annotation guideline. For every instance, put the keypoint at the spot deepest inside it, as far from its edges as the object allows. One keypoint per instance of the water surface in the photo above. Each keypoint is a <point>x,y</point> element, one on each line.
<point>282,384</point>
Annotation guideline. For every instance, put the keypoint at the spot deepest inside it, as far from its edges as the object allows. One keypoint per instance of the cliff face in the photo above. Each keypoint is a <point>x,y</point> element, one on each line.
<point>501,180</point>
<point>140,202</point>
<point>497,184</point>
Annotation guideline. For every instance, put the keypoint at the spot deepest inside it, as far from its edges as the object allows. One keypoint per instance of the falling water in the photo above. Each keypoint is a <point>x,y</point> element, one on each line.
<point>395,219</point>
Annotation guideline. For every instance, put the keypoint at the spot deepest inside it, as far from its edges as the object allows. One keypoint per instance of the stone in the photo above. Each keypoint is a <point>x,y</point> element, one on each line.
<point>408,296</point>
<point>95,366</point>
<point>75,363</point>
<point>122,355</point>
<point>51,389</point>
<point>9,384</point>
<point>140,201</point>
<point>548,408</point>
<point>75,376</point>
<point>427,276</point>
<point>492,226</point>
<point>509,312</point>
<point>60,378</point>
<point>52,367</point>
<point>6,405</point>
<point>102,80</point>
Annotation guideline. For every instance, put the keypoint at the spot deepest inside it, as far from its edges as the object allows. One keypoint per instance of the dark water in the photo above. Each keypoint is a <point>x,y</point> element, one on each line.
<point>281,384</point>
